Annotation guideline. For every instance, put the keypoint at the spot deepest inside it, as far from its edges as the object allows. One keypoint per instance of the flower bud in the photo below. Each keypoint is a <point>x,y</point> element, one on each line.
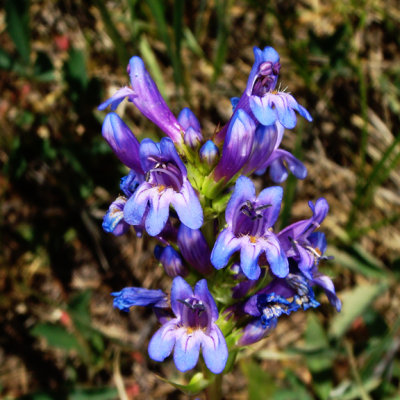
<point>171,261</point>
<point>209,153</point>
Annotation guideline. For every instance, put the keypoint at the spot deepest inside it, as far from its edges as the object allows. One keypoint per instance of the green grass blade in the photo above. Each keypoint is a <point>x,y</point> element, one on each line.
<point>222,8</point>
<point>120,46</point>
<point>17,19</point>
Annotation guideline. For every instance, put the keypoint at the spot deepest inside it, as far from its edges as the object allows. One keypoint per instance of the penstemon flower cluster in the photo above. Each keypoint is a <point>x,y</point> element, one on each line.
<point>233,273</point>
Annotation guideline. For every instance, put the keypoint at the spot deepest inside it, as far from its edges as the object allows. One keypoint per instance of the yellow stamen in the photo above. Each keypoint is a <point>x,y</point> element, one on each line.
<point>253,239</point>
<point>161,188</point>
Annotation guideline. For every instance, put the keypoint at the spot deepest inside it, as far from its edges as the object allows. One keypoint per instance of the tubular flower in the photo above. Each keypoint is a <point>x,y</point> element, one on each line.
<point>171,261</point>
<point>250,220</point>
<point>297,240</point>
<point>267,104</point>
<point>191,126</point>
<point>166,183</point>
<point>147,98</point>
<point>137,296</point>
<point>266,154</point>
<point>192,329</point>
<point>237,146</point>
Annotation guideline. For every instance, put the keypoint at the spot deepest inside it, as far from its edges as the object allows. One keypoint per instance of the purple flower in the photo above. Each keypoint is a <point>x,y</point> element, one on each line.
<point>296,238</point>
<point>194,249</point>
<point>267,104</point>
<point>237,146</point>
<point>249,220</point>
<point>171,261</point>
<point>266,154</point>
<point>122,141</point>
<point>166,183</point>
<point>260,99</point>
<point>147,98</point>
<point>137,296</point>
<point>192,329</point>
<point>255,330</point>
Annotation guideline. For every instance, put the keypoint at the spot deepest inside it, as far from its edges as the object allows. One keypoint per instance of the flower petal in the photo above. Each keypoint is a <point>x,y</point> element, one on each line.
<point>270,196</point>
<point>276,256</point>
<point>249,254</point>
<point>162,342</point>
<point>159,211</point>
<point>244,190</point>
<point>202,293</point>
<point>117,98</point>
<point>225,245</point>
<point>180,290</point>
<point>187,206</point>
<point>149,101</point>
<point>136,205</point>
<point>214,350</point>
<point>187,349</point>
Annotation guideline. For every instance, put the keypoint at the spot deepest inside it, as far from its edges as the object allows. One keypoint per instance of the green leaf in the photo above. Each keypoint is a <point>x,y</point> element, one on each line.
<point>260,383</point>
<point>355,302</point>
<point>17,19</point>
<point>75,70</point>
<point>56,336</point>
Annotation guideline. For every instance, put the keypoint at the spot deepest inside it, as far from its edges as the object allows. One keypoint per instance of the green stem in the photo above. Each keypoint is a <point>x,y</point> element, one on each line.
<point>214,390</point>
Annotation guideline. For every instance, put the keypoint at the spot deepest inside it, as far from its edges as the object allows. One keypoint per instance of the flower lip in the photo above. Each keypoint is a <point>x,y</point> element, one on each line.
<point>266,79</point>
<point>164,175</point>
<point>195,314</point>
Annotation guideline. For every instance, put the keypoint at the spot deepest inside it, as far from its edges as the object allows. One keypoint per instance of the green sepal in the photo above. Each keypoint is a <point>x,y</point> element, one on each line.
<point>196,384</point>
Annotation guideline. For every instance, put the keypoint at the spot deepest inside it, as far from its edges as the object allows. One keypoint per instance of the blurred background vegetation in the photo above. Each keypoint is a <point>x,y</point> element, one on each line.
<point>60,338</point>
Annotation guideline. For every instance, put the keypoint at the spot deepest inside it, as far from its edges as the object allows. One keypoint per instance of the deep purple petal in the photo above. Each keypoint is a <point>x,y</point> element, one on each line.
<point>149,101</point>
<point>306,261</point>
<point>270,196</point>
<point>214,350</point>
<point>169,153</point>
<point>149,151</point>
<point>278,171</point>
<point>225,245</point>
<point>326,283</point>
<point>162,342</point>
<point>187,349</point>
<point>244,190</point>
<point>237,146</point>
<point>202,293</point>
<point>194,249</point>
<point>254,331</point>
<point>137,296</point>
<point>187,119</point>
<point>180,290</point>
<point>187,206</point>
<point>117,98</point>
<point>122,141</point>
<point>266,139</point>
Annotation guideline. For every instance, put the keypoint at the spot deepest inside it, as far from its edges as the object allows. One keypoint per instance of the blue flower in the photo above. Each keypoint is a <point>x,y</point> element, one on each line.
<point>237,146</point>
<point>171,261</point>
<point>166,184</point>
<point>249,220</point>
<point>137,296</point>
<point>261,100</point>
<point>267,104</point>
<point>209,152</point>
<point>192,329</point>
<point>266,154</point>
<point>296,239</point>
<point>122,141</point>
<point>194,249</point>
<point>147,98</point>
